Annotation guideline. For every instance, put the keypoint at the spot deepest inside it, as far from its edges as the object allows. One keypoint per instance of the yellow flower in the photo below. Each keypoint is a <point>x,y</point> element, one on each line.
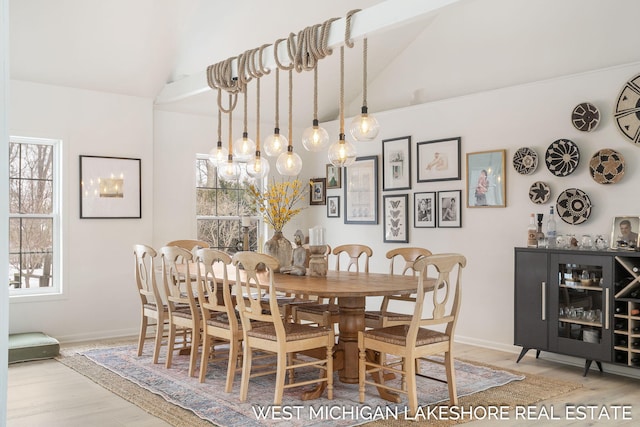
<point>277,202</point>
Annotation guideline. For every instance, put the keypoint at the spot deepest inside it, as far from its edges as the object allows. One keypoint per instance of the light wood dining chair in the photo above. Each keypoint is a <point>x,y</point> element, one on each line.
<point>285,339</point>
<point>417,340</point>
<point>184,313</point>
<point>154,313</point>
<point>383,317</point>
<point>220,323</point>
<point>189,244</point>
<point>327,312</point>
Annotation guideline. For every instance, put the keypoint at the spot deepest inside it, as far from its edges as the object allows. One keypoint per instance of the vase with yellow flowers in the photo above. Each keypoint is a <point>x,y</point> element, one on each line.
<point>277,204</point>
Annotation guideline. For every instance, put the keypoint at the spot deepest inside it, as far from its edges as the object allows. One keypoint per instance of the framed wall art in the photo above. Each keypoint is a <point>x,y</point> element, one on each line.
<point>396,163</point>
<point>424,206</point>
<point>449,212</point>
<point>439,160</point>
<point>317,191</point>
<point>396,214</point>
<point>110,187</point>
<point>334,176</point>
<point>624,232</point>
<point>333,206</point>
<point>486,179</point>
<point>361,191</point>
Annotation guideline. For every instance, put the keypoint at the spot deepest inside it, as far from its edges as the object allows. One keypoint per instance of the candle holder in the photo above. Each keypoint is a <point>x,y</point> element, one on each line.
<point>318,261</point>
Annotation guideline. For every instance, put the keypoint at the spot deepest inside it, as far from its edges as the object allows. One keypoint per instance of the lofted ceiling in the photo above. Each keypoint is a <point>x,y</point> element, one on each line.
<point>138,47</point>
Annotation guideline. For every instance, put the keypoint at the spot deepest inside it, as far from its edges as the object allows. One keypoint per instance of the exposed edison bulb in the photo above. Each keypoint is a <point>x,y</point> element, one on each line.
<point>275,143</point>
<point>364,127</point>
<point>342,153</point>
<point>229,170</point>
<point>289,163</point>
<point>315,138</point>
<point>218,154</point>
<point>243,148</point>
<point>258,167</point>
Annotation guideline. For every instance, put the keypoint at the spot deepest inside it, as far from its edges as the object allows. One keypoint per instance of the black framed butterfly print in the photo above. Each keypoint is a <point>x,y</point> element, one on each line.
<point>396,223</point>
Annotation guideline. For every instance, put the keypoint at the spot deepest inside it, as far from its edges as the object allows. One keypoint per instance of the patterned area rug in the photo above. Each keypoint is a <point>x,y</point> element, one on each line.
<point>209,401</point>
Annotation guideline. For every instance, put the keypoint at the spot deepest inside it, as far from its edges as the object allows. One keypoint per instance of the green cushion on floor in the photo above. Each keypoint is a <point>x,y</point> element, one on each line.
<point>32,346</point>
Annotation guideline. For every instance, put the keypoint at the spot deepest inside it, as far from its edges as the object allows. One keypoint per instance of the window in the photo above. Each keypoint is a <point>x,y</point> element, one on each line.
<point>34,225</point>
<point>220,205</point>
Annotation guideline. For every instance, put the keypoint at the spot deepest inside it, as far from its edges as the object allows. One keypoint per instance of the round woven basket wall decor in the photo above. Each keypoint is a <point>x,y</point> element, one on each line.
<point>585,117</point>
<point>525,160</point>
<point>573,206</point>
<point>627,110</point>
<point>539,192</point>
<point>562,157</point>
<point>606,166</point>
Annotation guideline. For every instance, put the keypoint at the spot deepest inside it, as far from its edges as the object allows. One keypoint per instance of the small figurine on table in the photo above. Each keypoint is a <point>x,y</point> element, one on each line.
<point>299,257</point>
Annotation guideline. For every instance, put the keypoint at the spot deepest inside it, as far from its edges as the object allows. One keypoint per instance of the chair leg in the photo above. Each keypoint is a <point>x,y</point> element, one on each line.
<point>329,371</point>
<point>451,378</point>
<point>193,355</point>
<point>204,360</point>
<point>158,343</point>
<point>246,372</point>
<point>361,366</point>
<point>281,369</point>
<point>409,379</point>
<point>171,341</point>
<point>143,333</point>
<point>234,345</point>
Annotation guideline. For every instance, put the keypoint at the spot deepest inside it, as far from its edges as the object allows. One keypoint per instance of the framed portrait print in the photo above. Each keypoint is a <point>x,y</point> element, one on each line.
<point>624,233</point>
<point>396,163</point>
<point>110,187</point>
<point>439,160</point>
<point>424,206</point>
<point>396,212</point>
<point>486,179</point>
<point>449,212</point>
<point>361,191</point>
<point>334,176</point>
<point>333,207</point>
<point>317,191</point>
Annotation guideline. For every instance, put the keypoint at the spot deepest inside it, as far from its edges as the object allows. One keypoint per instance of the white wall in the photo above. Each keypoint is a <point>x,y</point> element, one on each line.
<point>100,297</point>
<point>530,115</point>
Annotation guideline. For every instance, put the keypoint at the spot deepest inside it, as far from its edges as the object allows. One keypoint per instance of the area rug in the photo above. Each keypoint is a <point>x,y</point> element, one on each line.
<point>157,390</point>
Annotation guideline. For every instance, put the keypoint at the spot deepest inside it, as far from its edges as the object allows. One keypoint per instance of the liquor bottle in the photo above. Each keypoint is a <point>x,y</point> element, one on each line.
<point>635,360</point>
<point>551,229</point>
<point>622,342</point>
<point>539,234</point>
<point>620,357</point>
<point>532,236</point>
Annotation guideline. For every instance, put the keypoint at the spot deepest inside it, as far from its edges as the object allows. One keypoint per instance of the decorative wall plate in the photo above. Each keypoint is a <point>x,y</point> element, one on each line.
<point>627,113</point>
<point>525,160</point>
<point>562,157</point>
<point>585,117</point>
<point>539,192</point>
<point>573,206</point>
<point>606,166</point>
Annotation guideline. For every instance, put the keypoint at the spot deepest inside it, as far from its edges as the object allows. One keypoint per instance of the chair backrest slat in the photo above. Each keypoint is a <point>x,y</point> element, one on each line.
<point>354,252</point>
<point>145,274</point>
<point>176,277</point>
<point>213,282</point>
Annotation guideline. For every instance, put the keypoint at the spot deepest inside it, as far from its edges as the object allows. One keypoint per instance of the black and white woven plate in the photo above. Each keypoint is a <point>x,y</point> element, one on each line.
<point>539,192</point>
<point>585,117</point>
<point>562,157</point>
<point>606,166</point>
<point>573,206</point>
<point>525,160</point>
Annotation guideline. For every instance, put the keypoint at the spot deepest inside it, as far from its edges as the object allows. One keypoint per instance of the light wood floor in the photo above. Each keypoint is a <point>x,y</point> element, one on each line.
<point>47,393</point>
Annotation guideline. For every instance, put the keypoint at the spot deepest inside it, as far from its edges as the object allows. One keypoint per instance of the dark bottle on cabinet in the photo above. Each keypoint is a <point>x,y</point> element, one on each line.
<point>621,342</point>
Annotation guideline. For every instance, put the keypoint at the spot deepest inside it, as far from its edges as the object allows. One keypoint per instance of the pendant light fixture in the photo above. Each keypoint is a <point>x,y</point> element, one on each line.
<point>275,143</point>
<point>218,154</point>
<point>258,166</point>
<point>342,152</point>
<point>229,170</point>
<point>364,127</point>
<point>244,147</point>
<point>289,163</point>
<point>315,138</point>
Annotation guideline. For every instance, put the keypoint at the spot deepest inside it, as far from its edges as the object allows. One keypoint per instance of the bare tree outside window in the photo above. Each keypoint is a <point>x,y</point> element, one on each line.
<point>220,205</point>
<point>31,214</point>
